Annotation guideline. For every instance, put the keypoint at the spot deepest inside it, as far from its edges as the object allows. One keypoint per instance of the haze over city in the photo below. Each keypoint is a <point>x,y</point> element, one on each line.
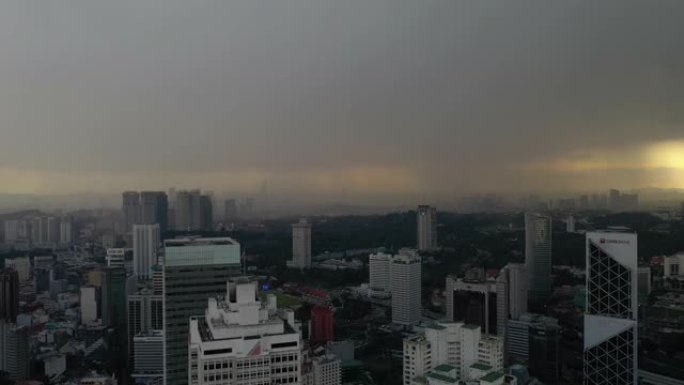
<point>351,101</point>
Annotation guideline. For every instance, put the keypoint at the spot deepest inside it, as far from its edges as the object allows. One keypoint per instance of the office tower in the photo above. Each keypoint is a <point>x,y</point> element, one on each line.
<point>322,323</point>
<point>195,210</point>
<point>379,274</point>
<point>459,346</point>
<point>644,284</point>
<point>22,265</point>
<point>545,360</point>
<point>206,208</point>
<point>158,280</point>
<point>66,231</point>
<point>230,210</point>
<point>301,245</point>
<point>148,363</point>
<point>247,208</point>
<point>114,308</point>
<point>9,295</point>
<point>194,270</point>
<point>405,285</point>
<point>538,255</point>
<point>534,340</point>
<point>14,350</point>
<point>154,208</point>
<point>427,228</point>
<point>88,305</point>
<point>131,210</point>
<point>511,293</point>
<point>241,340</point>
<point>473,300</point>
<point>146,240</point>
<point>145,313</point>
<point>570,224</point>
<point>610,319</point>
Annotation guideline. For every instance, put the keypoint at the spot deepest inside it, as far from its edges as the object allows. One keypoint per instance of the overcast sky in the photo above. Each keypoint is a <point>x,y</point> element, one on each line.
<point>341,97</point>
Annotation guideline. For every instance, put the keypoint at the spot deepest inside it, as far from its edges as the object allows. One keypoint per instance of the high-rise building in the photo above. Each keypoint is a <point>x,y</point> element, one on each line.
<point>534,340</point>
<point>88,304</point>
<point>610,319</point>
<point>116,257</point>
<point>473,300</point>
<point>114,308</point>
<point>145,313</point>
<point>146,241</point>
<point>154,208</point>
<point>326,370</point>
<point>322,324</point>
<point>131,210</point>
<point>538,255</point>
<point>511,295</point>
<point>9,295</point>
<point>230,210</point>
<point>14,350</point>
<point>194,270</point>
<point>379,274</point>
<point>22,265</point>
<point>301,245</point>
<point>195,210</point>
<point>405,285</point>
<point>53,226</point>
<point>242,341</point>
<point>182,211</point>
<point>460,347</point>
<point>427,228</point>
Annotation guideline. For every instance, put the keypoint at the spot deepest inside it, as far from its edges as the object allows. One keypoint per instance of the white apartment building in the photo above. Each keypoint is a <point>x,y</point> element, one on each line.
<point>457,345</point>
<point>242,341</point>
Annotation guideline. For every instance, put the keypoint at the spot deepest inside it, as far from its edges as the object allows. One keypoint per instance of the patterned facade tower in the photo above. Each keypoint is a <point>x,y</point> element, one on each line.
<point>610,320</point>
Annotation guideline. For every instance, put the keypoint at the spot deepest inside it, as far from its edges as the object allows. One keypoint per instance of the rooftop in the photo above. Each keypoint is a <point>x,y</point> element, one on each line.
<point>480,366</point>
<point>491,377</point>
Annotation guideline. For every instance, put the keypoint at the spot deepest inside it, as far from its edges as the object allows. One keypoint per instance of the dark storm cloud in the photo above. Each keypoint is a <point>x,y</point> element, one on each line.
<point>445,95</point>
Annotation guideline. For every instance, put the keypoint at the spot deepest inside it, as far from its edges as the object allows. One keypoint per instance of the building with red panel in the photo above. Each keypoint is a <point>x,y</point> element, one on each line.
<point>322,322</point>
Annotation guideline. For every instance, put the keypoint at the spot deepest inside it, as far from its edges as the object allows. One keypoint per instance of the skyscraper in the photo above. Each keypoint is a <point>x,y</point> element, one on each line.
<point>66,231</point>
<point>9,295</point>
<point>511,295</point>
<point>405,285</point>
<point>182,210</point>
<point>610,319</point>
<point>131,210</point>
<point>146,239</point>
<point>194,269</point>
<point>427,228</point>
<point>473,300</point>
<point>301,245</point>
<point>534,340</point>
<point>154,208</point>
<point>145,314</point>
<point>114,309</point>
<point>14,350</point>
<point>538,255</point>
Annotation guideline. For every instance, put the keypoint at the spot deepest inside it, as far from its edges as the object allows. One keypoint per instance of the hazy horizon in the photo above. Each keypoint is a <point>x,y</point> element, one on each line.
<point>328,101</point>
